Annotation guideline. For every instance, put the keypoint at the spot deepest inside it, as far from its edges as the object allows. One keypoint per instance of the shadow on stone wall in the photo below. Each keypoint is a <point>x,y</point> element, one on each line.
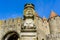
<point>11,35</point>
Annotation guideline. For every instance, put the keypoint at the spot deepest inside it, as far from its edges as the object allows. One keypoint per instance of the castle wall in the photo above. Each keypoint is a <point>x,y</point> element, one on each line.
<point>9,26</point>
<point>40,29</point>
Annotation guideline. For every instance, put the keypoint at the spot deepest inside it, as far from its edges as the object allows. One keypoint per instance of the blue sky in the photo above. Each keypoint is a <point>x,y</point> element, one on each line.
<point>14,8</point>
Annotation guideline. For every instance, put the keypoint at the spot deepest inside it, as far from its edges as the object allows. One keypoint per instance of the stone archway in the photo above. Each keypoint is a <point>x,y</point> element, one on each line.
<point>12,35</point>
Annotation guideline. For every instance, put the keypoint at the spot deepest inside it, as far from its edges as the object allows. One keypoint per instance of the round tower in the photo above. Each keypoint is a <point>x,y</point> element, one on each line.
<point>52,23</point>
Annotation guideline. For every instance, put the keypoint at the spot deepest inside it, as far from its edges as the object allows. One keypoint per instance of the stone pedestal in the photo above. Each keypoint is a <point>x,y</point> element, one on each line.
<point>28,36</point>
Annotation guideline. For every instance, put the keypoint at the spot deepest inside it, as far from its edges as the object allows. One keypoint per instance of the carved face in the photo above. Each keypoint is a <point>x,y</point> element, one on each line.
<point>28,12</point>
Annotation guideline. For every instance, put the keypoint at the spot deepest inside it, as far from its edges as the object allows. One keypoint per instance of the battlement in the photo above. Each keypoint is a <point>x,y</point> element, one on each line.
<point>11,21</point>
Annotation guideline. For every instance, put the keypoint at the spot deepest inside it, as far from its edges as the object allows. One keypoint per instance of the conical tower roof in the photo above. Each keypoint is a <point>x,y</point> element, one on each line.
<point>44,18</point>
<point>36,14</point>
<point>53,14</point>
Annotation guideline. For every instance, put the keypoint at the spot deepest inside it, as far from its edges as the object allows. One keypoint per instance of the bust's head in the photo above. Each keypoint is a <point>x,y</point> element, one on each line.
<point>28,10</point>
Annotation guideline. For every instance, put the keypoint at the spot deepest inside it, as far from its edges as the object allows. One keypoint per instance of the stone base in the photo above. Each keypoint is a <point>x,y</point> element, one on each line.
<point>28,36</point>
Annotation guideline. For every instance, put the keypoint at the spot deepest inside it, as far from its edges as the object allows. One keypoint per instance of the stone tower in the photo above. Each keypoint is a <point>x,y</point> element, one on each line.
<point>54,22</point>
